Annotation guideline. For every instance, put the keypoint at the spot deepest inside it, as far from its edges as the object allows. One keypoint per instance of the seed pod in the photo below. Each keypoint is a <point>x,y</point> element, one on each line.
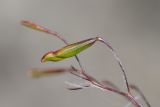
<point>68,51</point>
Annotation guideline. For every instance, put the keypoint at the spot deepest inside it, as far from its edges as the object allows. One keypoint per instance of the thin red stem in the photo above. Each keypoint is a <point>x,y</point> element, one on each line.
<point>118,60</point>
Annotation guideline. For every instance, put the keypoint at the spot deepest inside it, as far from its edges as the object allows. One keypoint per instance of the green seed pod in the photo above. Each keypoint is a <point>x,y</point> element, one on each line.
<point>68,51</point>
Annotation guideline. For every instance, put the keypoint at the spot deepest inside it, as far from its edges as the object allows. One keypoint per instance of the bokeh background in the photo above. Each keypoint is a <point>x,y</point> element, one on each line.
<point>131,26</point>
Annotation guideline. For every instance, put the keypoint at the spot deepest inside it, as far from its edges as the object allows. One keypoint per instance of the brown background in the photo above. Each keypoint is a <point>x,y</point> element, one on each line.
<point>132,26</point>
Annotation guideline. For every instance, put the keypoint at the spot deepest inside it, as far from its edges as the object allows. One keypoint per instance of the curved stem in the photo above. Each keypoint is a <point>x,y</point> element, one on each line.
<point>118,60</point>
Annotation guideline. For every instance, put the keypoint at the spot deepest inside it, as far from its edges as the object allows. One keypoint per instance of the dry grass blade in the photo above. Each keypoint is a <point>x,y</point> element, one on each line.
<point>39,72</point>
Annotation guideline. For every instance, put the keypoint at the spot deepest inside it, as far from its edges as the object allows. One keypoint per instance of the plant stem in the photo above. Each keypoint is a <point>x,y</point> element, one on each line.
<point>118,60</point>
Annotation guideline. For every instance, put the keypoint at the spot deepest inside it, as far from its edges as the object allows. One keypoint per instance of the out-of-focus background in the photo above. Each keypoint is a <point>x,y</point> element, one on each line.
<point>131,26</point>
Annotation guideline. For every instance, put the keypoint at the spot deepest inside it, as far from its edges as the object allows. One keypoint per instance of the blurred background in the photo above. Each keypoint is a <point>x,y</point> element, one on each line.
<point>131,26</point>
